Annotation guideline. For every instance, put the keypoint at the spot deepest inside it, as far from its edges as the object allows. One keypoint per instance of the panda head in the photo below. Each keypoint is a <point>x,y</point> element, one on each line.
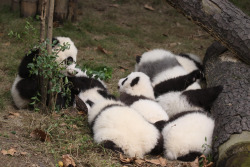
<point>137,84</point>
<point>68,56</point>
<point>94,95</point>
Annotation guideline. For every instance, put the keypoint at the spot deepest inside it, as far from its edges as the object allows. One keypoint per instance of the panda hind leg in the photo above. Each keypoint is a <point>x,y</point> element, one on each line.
<point>111,145</point>
<point>190,156</point>
<point>203,97</point>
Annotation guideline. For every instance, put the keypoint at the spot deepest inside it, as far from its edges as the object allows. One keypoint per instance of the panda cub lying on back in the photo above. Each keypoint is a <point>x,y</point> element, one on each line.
<point>136,91</point>
<point>25,85</point>
<point>175,88</point>
<point>118,127</point>
<point>166,73</point>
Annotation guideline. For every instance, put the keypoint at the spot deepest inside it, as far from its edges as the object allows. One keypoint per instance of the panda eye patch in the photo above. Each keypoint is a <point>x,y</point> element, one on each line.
<point>138,59</point>
<point>134,81</point>
<point>124,81</point>
<point>69,60</point>
<point>90,103</point>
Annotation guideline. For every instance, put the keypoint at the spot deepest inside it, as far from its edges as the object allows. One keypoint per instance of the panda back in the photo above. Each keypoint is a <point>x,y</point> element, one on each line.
<point>150,110</point>
<point>174,103</point>
<point>188,133</point>
<point>127,129</point>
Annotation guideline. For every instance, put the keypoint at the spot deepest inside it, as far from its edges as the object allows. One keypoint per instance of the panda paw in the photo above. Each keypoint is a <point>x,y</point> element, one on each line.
<point>198,74</point>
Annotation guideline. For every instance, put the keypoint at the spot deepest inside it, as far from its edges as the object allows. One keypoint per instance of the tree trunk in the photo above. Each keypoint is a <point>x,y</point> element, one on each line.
<point>28,8</point>
<point>39,7</point>
<point>5,3</point>
<point>232,108</point>
<point>15,5</point>
<point>61,10</point>
<point>222,20</point>
<point>43,82</point>
<point>72,12</point>
<point>50,25</point>
<point>51,104</point>
<point>43,12</point>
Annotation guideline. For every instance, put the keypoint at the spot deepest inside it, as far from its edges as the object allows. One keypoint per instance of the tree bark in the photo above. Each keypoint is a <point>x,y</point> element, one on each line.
<point>232,108</point>
<point>50,25</point>
<point>43,20</point>
<point>72,10</point>
<point>28,8</point>
<point>51,104</point>
<point>61,10</point>
<point>220,18</point>
<point>5,3</point>
<point>15,5</point>
<point>43,82</point>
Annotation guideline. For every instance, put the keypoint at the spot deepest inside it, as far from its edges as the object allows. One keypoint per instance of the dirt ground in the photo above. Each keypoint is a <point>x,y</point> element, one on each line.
<point>124,29</point>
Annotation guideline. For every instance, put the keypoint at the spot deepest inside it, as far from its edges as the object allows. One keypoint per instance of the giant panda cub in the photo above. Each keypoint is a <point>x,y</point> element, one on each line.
<point>118,127</point>
<point>81,81</point>
<point>136,91</point>
<point>166,73</point>
<point>163,66</point>
<point>25,85</point>
<point>188,135</point>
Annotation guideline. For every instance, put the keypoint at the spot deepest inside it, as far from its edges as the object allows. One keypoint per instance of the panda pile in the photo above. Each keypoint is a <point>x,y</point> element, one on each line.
<point>136,91</point>
<point>166,73</point>
<point>119,127</point>
<point>25,85</point>
<point>176,87</point>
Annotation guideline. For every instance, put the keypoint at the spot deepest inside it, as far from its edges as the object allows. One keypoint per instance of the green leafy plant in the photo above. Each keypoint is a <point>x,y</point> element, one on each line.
<point>45,65</point>
<point>204,160</point>
<point>101,72</point>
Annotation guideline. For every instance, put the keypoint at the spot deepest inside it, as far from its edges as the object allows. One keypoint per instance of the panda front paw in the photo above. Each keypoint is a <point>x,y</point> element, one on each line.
<point>198,74</point>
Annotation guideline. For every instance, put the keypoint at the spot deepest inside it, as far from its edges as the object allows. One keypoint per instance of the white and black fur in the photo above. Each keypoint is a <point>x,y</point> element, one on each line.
<point>136,91</point>
<point>118,127</point>
<point>190,62</point>
<point>166,73</point>
<point>188,135</point>
<point>81,81</point>
<point>176,92</point>
<point>25,85</point>
<point>198,99</point>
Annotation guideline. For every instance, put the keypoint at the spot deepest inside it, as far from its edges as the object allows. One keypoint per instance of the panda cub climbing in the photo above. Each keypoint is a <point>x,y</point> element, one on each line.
<point>188,135</point>
<point>25,85</point>
<point>118,127</point>
<point>136,91</point>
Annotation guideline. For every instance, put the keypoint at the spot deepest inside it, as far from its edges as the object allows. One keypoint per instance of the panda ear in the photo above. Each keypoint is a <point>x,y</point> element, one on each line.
<point>138,59</point>
<point>105,95</point>
<point>134,81</point>
<point>80,105</point>
<point>90,103</point>
<point>54,42</point>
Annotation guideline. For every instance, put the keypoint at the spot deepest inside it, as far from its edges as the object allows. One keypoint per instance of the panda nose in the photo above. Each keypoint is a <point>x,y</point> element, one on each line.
<point>118,87</point>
